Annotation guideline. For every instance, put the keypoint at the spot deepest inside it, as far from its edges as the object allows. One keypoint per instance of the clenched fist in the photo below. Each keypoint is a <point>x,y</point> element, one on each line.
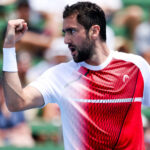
<point>15,30</point>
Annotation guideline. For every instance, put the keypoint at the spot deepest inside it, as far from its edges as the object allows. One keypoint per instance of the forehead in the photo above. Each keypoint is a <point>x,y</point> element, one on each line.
<point>70,21</point>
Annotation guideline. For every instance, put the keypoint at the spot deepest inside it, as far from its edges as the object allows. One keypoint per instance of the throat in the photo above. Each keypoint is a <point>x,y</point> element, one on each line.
<point>99,56</point>
<point>97,60</point>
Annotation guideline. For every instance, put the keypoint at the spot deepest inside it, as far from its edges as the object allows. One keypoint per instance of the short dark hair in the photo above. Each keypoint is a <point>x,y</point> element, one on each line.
<point>88,14</point>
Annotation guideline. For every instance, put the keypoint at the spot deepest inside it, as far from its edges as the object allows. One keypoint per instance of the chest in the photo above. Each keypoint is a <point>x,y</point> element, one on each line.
<point>118,80</point>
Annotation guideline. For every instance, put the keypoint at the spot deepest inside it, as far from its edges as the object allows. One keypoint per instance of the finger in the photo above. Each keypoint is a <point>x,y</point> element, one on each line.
<point>22,27</point>
<point>25,26</point>
<point>19,27</point>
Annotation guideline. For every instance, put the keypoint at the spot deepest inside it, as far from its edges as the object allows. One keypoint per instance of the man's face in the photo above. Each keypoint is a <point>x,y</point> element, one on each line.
<point>77,38</point>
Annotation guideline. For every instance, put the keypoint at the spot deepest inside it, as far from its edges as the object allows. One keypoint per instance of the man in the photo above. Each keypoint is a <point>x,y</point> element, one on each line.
<point>99,93</point>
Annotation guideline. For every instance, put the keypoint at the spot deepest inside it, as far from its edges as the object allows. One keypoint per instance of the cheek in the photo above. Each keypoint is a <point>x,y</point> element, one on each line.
<point>80,38</point>
<point>79,41</point>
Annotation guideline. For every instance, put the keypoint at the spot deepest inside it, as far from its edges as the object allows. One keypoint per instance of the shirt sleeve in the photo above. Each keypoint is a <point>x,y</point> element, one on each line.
<point>145,69</point>
<point>49,84</point>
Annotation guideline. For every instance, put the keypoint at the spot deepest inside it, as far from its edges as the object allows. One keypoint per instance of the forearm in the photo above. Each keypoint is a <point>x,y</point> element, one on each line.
<point>18,98</point>
<point>13,91</point>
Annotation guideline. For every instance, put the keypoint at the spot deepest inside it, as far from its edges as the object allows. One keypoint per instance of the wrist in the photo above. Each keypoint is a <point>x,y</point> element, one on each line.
<point>8,43</point>
<point>9,60</point>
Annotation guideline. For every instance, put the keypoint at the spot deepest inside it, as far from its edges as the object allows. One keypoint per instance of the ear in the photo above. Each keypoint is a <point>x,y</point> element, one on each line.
<point>94,32</point>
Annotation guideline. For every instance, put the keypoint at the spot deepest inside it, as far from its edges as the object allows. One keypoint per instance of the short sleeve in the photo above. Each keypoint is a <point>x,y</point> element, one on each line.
<point>49,84</point>
<point>145,69</point>
<point>52,82</point>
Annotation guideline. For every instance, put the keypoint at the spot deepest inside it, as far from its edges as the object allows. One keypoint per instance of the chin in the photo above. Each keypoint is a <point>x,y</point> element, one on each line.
<point>76,60</point>
<point>79,59</point>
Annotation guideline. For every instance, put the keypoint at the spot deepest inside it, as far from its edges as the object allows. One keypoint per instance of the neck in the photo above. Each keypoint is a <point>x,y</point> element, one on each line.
<point>101,52</point>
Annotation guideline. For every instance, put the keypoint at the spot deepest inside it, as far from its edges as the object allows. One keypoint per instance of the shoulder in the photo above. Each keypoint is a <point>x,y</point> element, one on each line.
<point>133,58</point>
<point>63,68</point>
<point>137,60</point>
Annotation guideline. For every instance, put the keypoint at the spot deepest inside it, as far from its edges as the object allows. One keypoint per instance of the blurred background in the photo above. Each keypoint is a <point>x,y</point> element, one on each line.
<point>128,30</point>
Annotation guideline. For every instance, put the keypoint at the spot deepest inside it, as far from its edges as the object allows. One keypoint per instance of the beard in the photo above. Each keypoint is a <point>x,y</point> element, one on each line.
<point>84,52</point>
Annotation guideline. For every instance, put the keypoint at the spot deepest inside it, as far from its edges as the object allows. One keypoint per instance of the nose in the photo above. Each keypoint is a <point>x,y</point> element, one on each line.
<point>67,39</point>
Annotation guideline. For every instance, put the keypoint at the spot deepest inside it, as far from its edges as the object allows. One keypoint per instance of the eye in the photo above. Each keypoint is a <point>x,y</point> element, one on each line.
<point>70,31</point>
<point>73,31</point>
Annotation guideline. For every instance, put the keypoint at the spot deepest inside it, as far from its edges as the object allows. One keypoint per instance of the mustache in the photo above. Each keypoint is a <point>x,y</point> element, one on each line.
<point>71,47</point>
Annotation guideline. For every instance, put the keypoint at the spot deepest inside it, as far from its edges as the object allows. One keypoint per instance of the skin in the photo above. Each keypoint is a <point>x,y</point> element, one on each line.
<point>18,98</point>
<point>78,41</point>
<point>76,37</point>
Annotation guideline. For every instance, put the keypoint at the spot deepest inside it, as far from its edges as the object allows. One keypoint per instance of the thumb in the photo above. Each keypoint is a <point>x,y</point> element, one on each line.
<point>19,27</point>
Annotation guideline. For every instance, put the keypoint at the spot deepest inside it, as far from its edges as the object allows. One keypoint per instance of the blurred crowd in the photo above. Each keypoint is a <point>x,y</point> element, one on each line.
<point>128,30</point>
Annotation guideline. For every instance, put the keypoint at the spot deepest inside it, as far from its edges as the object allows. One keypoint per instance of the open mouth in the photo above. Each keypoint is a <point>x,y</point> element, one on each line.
<point>72,49</point>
